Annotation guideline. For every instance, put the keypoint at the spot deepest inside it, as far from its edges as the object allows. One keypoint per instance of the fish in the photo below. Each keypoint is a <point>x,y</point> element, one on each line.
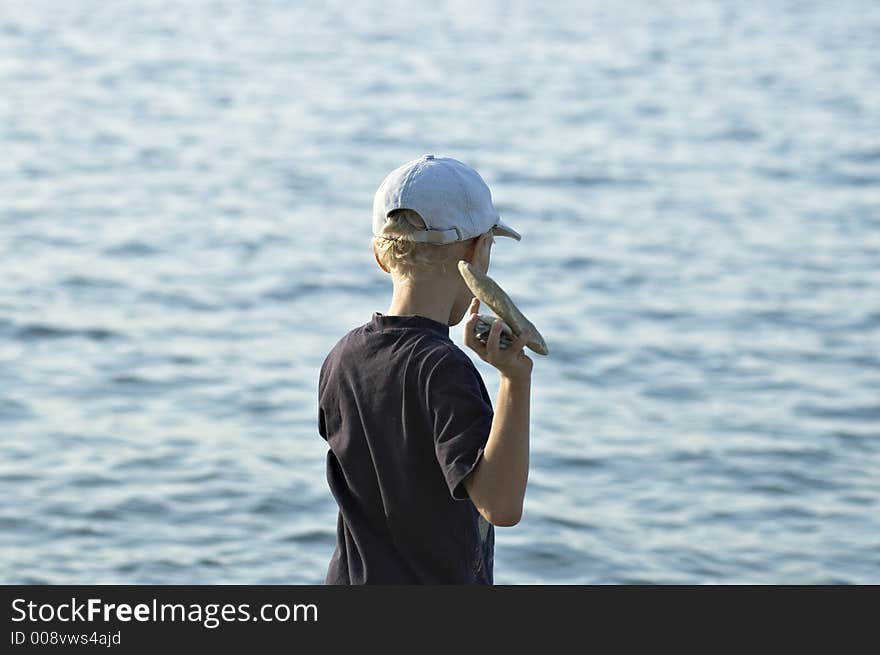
<point>488,291</point>
<point>484,325</point>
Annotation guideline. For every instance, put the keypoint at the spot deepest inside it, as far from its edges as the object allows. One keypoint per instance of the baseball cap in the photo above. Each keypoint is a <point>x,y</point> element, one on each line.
<point>449,195</point>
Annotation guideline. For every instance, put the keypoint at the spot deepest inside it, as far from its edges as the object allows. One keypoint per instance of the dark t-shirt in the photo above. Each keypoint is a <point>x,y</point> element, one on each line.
<point>406,415</point>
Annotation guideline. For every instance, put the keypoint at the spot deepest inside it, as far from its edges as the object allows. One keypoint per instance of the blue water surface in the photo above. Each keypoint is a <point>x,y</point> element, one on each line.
<point>185,197</point>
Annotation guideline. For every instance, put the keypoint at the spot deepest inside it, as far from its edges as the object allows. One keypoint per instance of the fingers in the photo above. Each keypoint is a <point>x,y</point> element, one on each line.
<point>470,337</point>
<point>470,322</point>
<point>475,306</point>
<point>493,342</point>
<point>490,351</point>
<point>518,344</point>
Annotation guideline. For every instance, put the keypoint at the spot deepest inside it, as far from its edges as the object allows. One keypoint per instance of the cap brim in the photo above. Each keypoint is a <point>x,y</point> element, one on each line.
<point>503,230</point>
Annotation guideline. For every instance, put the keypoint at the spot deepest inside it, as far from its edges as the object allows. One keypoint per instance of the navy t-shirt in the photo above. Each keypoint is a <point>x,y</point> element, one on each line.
<point>406,415</point>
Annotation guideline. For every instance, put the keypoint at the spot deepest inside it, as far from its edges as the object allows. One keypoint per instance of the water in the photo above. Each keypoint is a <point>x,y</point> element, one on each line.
<point>185,193</point>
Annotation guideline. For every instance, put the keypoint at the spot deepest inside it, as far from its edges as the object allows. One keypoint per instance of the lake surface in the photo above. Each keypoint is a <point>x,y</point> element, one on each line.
<point>185,197</point>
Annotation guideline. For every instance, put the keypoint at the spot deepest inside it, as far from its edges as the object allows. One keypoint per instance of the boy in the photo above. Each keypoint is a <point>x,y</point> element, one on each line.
<point>420,465</point>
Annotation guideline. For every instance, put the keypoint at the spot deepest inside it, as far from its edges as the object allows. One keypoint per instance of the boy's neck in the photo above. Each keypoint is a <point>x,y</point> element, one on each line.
<point>431,298</point>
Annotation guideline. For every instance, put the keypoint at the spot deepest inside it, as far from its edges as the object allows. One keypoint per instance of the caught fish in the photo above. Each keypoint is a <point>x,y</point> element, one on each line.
<point>487,291</point>
<point>484,324</point>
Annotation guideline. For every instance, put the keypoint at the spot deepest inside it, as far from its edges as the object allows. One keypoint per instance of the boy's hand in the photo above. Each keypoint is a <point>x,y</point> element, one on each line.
<point>511,362</point>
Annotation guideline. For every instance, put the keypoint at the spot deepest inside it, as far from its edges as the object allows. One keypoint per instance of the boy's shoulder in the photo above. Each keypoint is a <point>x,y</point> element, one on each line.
<point>365,340</point>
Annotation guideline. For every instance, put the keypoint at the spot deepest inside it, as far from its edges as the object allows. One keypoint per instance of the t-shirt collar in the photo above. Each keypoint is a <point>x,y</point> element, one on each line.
<point>382,321</point>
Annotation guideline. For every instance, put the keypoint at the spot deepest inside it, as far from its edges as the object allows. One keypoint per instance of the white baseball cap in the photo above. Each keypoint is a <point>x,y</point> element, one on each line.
<point>449,195</point>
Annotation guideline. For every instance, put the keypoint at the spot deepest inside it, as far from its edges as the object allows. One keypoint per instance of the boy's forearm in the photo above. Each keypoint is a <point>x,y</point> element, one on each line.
<point>499,482</point>
<point>509,438</point>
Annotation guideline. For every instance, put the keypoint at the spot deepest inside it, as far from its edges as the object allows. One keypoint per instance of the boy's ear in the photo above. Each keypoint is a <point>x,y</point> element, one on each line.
<point>475,245</point>
<point>470,251</point>
<point>381,265</point>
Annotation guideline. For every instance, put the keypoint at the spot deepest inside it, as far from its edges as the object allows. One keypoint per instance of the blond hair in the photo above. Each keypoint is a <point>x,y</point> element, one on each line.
<point>403,256</point>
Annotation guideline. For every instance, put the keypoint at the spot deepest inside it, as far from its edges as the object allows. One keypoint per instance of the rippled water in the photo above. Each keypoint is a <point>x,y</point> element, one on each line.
<point>185,193</point>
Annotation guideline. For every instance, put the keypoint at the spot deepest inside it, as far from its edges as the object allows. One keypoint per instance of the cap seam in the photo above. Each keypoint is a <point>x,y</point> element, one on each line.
<point>410,176</point>
<point>404,187</point>
<point>467,200</point>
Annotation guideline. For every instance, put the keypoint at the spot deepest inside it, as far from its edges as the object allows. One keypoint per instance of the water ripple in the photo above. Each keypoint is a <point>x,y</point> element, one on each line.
<point>184,233</point>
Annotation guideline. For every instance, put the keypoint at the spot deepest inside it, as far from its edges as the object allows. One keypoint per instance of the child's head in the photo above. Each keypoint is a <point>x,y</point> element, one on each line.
<point>428,265</point>
<point>427,215</point>
<point>397,254</point>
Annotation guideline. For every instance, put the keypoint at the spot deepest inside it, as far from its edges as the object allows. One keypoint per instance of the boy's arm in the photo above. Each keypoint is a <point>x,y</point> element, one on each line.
<point>497,485</point>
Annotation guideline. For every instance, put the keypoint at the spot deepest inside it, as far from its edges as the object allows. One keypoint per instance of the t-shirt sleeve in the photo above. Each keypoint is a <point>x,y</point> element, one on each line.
<point>461,415</point>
